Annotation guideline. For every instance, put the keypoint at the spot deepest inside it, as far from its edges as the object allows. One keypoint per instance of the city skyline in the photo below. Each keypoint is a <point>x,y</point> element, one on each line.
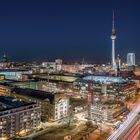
<point>32,31</point>
<point>69,70</point>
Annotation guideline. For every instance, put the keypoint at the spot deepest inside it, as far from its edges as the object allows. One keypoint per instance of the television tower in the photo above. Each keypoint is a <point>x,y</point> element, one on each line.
<point>113,37</point>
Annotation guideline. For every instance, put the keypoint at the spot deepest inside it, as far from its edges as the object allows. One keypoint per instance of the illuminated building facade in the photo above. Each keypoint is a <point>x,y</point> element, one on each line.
<point>75,68</point>
<point>54,106</point>
<point>17,117</point>
<point>107,85</point>
<point>65,78</point>
<point>131,59</point>
<point>14,74</point>
<point>43,85</point>
<point>106,96</point>
<point>99,113</point>
<point>53,66</point>
<point>5,90</point>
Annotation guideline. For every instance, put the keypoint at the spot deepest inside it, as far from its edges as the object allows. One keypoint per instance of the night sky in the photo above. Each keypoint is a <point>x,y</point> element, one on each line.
<point>69,29</point>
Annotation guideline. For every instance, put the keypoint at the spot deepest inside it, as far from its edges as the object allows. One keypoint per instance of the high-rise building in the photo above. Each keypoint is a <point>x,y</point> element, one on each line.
<point>113,37</point>
<point>131,59</point>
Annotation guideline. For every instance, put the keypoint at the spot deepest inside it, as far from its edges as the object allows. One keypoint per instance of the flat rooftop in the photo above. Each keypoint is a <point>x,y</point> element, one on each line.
<point>36,94</point>
<point>7,102</point>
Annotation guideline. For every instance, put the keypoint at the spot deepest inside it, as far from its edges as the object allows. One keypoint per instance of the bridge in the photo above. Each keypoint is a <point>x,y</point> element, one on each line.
<point>130,128</point>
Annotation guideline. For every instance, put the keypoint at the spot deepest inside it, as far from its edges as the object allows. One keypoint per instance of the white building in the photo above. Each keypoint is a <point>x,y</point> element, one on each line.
<point>55,66</point>
<point>98,114</point>
<point>102,113</point>
<point>61,108</point>
<point>131,59</point>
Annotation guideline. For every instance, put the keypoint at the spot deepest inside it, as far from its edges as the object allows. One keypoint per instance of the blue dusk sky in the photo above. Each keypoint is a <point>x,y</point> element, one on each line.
<point>69,29</point>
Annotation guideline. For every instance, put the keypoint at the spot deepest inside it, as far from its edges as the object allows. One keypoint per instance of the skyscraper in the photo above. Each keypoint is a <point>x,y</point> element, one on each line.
<point>131,59</point>
<point>113,37</point>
